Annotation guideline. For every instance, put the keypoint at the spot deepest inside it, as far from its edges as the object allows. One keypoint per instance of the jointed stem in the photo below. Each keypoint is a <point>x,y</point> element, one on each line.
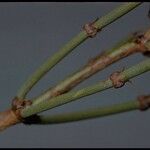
<point>71,96</point>
<point>26,111</point>
<point>94,112</point>
<point>82,36</point>
<point>87,114</point>
<point>121,50</point>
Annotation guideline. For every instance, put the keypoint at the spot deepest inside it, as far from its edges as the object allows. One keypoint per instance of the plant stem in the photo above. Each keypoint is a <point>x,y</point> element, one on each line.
<point>94,112</point>
<point>77,40</point>
<point>121,50</point>
<point>7,119</point>
<point>89,113</point>
<point>115,14</point>
<point>74,95</point>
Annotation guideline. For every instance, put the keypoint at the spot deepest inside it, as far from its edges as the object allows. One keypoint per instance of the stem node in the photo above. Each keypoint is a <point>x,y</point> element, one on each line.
<point>90,29</point>
<point>144,102</point>
<point>116,79</point>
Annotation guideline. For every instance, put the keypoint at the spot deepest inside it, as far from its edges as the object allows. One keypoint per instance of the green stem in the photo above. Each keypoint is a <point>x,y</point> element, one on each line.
<point>77,40</point>
<point>89,113</point>
<point>87,71</point>
<point>121,50</point>
<point>115,14</point>
<point>74,95</point>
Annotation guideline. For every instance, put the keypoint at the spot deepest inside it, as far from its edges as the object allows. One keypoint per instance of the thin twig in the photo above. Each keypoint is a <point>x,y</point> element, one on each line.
<point>89,113</point>
<point>77,40</point>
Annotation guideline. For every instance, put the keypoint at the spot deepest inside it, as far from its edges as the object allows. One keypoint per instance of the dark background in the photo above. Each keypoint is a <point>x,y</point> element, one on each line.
<point>30,33</point>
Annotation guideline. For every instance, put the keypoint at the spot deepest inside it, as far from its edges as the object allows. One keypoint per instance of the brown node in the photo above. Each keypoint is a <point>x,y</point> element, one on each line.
<point>141,39</point>
<point>90,29</point>
<point>116,79</point>
<point>18,105</point>
<point>138,37</point>
<point>12,116</point>
<point>144,102</point>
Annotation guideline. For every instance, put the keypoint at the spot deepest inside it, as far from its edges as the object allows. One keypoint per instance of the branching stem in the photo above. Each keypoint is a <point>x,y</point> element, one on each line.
<point>66,49</point>
<point>121,50</point>
<point>125,76</point>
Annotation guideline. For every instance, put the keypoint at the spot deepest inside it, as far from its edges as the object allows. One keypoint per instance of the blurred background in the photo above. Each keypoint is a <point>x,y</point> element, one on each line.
<point>30,33</point>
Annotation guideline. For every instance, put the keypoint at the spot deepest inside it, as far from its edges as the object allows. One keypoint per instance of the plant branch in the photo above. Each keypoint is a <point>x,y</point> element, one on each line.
<point>77,40</point>
<point>122,77</point>
<point>90,113</point>
<point>7,119</point>
<point>122,49</point>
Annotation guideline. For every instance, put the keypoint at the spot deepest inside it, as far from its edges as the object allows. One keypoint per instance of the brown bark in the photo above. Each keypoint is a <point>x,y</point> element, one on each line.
<point>12,116</point>
<point>7,119</point>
